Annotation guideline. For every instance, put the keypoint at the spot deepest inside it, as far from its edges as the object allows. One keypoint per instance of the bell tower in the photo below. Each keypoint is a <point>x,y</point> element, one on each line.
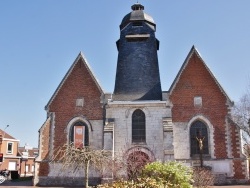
<point>137,73</point>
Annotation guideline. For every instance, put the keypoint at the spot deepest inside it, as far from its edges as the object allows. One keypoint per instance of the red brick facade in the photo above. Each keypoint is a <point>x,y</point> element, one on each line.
<point>44,149</point>
<point>78,84</point>
<point>61,109</point>
<point>196,80</point>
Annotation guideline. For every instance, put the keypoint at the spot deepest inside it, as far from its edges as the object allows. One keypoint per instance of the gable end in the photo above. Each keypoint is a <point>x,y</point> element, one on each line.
<point>184,65</point>
<point>80,56</point>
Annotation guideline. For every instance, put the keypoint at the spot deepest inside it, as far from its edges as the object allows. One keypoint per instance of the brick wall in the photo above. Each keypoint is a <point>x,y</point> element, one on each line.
<point>239,161</point>
<point>44,140</point>
<point>195,80</point>
<point>238,169</point>
<point>43,169</point>
<point>78,84</point>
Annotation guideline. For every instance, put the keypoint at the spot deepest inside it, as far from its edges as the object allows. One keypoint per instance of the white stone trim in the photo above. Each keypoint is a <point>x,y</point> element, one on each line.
<point>138,104</point>
<point>228,140</point>
<point>240,142</point>
<point>73,121</point>
<point>144,149</point>
<point>198,101</point>
<point>80,102</point>
<point>9,139</point>
<point>52,134</point>
<point>167,124</point>
<point>210,132</point>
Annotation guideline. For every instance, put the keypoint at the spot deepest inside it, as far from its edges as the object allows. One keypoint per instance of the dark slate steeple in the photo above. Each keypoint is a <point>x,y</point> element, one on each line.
<point>137,74</point>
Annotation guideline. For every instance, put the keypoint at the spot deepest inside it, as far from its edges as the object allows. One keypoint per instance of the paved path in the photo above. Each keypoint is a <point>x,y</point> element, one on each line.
<point>232,186</point>
<point>19,184</point>
<point>28,184</point>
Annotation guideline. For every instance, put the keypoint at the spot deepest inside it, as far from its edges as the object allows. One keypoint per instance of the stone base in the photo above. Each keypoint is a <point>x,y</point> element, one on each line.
<point>66,181</point>
<point>222,179</point>
<point>107,180</point>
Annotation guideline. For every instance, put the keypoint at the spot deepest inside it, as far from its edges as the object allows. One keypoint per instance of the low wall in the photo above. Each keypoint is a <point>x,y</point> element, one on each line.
<point>66,181</point>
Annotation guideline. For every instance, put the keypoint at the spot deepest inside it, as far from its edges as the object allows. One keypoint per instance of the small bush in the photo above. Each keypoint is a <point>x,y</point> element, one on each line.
<point>172,174</point>
<point>139,183</point>
<point>158,175</point>
<point>203,177</point>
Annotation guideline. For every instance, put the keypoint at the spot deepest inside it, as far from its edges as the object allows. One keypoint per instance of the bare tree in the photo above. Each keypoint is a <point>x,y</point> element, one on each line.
<point>81,158</point>
<point>241,116</point>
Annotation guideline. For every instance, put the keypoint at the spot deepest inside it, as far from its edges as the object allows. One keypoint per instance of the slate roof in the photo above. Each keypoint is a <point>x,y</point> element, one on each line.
<point>136,15</point>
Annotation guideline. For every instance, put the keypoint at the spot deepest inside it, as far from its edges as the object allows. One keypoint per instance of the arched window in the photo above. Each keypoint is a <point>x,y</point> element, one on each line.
<point>138,126</point>
<point>79,134</point>
<point>199,138</point>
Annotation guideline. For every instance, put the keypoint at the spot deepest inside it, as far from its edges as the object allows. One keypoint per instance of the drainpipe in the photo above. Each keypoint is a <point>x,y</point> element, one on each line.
<point>113,152</point>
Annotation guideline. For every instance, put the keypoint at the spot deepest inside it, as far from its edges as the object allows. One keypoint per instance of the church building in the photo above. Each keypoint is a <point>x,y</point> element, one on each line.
<point>139,115</point>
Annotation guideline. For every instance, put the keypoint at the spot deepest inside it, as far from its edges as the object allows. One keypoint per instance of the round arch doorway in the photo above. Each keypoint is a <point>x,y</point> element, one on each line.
<point>135,163</point>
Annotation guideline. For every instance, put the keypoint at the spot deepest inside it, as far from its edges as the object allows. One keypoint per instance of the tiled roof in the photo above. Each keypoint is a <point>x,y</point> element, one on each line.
<point>32,152</point>
<point>6,135</point>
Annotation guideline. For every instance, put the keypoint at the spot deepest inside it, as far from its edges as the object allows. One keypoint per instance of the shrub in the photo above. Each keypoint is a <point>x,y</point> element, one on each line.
<point>158,175</point>
<point>139,183</point>
<point>173,174</point>
<point>203,177</point>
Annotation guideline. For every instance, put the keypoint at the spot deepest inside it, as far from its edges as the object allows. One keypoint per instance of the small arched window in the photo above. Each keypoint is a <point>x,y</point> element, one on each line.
<point>138,126</point>
<point>199,138</point>
<point>79,135</point>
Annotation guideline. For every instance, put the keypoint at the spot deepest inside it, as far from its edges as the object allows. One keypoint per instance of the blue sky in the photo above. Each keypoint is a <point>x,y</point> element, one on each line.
<point>39,40</point>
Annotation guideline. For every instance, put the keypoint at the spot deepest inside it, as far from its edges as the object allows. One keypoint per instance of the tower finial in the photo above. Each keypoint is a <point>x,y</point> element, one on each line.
<point>137,6</point>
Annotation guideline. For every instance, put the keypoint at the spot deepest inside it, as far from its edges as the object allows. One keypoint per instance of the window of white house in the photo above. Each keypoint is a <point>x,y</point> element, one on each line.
<point>27,168</point>
<point>10,148</point>
<point>12,165</point>
<point>32,168</point>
